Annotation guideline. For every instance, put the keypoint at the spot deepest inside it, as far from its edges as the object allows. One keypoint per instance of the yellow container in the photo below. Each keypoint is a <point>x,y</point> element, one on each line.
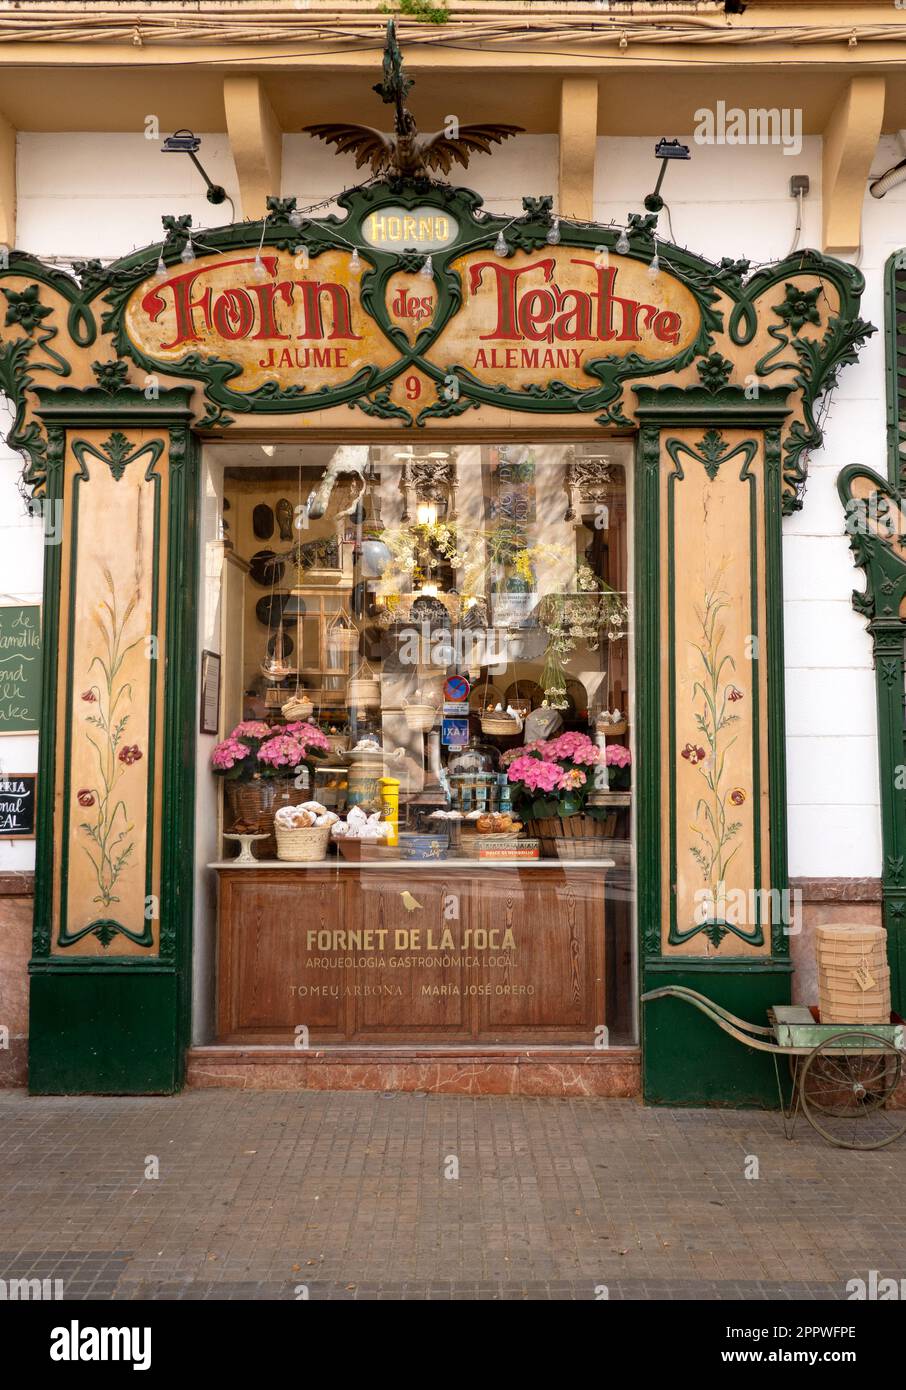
<point>390,804</point>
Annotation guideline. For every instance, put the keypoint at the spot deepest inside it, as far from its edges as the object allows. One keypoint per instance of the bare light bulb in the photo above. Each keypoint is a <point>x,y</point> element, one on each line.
<point>500,246</point>
<point>427,269</point>
<point>553,234</point>
<point>355,264</point>
<point>161,269</point>
<point>623,243</point>
<point>187,254</point>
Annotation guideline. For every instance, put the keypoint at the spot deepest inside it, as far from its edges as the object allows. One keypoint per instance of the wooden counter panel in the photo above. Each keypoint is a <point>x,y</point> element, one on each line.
<point>433,1000</point>
<point>555,987</point>
<point>464,980</point>
<point>263,959</point>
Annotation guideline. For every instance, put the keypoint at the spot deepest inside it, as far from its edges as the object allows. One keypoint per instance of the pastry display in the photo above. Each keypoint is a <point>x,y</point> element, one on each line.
<point>302,817</point>
<point>358,825</point>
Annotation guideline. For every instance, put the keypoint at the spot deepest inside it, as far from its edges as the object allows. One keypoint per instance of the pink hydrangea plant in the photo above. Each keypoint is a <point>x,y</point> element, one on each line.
<point>554,777</point>
<point>310,735</point>
<point>228,753</point>
<point>252,728</point>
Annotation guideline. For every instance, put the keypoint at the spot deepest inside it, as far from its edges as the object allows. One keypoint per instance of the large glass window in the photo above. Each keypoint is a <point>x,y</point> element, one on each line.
<point>426,717</point>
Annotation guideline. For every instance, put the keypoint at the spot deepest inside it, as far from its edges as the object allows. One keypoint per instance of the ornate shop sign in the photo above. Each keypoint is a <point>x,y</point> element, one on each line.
<point>520,314</point>
<point>534,317</point>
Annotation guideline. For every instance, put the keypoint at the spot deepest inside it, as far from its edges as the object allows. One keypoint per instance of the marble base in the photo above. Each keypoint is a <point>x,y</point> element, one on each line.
<point>548,1071</point>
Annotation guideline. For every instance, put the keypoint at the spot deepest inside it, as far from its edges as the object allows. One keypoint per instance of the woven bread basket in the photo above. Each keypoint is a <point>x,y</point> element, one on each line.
<point>420,716</point>
<point>302,846</point>
<point>345,639</point>
<point>500,725</point>
<point>298,707</point>
<point>363,692</point>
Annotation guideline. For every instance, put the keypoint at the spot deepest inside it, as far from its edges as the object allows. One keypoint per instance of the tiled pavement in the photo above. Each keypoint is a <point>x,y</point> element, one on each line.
<point>345,1195</point>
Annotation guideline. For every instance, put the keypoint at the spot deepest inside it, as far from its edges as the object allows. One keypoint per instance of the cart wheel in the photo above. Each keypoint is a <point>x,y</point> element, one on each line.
<point>845,1085</point>
<point>823,1088</point>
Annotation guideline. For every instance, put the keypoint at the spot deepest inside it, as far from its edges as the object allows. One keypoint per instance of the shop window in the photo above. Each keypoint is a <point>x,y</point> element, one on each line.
<point>426,717</point>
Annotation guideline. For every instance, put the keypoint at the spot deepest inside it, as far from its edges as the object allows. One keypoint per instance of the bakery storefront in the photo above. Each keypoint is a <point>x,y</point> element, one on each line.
<point>413,692</point>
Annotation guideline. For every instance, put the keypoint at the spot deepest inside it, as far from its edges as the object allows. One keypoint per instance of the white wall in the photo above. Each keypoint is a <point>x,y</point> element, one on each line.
<point>103,195</point>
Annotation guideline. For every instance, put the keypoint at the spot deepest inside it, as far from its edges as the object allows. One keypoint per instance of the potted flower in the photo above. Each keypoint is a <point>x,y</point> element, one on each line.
<point>260,764</point>
<point>618,761</point>
<point>287,758</point>
<point>235,759</point>
<point>552,780</point>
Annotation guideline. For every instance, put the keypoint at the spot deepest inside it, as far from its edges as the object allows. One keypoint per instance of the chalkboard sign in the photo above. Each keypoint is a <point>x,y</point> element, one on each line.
<point>17,805</point>
<point>20,669</point>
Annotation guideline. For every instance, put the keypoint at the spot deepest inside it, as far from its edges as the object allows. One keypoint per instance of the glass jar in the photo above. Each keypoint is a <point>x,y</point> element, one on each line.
<point>472,774</point>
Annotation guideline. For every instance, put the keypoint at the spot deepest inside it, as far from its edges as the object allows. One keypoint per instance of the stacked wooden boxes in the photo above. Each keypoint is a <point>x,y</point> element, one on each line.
<point>853,974</point>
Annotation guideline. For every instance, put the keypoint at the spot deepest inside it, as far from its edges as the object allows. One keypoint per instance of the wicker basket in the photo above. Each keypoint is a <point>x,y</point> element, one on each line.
<point>363,692</point>
<point>298,707</point>
<point>250,805</point>
<point>343,636</point>
<point>572,837</point>
<point>304,845</point>
<point>420,716</point>
<point>500,725</point>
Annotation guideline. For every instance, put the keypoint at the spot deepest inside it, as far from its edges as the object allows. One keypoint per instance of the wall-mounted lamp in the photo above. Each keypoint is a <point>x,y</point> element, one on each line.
<point>664,150</point>
<point>184,142</point>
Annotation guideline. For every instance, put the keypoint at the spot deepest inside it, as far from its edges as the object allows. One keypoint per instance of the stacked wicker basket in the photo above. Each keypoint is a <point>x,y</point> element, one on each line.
<point>853,974</point>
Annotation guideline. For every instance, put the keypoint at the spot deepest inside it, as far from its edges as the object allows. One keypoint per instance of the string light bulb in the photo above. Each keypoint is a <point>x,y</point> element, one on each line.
<point>187,254</point>
<point>355,264</point>
<point>500,246</point>
<point>553,232</point>
<point>161,269</point>
<point>623,243</point>
<point>260,269</point>
<point>654,265</point>
<point>427,268</point>
<point>295,218</point>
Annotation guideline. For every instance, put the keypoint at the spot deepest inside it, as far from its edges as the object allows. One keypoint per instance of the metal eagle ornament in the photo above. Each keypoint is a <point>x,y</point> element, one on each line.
<point>405,154</point>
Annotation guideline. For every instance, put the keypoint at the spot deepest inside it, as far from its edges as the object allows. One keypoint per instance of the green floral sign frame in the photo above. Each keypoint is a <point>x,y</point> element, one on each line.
<point>807,345</point>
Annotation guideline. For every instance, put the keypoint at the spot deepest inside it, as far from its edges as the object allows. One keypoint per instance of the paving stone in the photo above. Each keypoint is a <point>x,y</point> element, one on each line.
<point>345,1193</point>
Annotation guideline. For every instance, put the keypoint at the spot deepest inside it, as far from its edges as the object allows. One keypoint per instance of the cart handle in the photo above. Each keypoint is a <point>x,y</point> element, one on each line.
<point>718,1015</point>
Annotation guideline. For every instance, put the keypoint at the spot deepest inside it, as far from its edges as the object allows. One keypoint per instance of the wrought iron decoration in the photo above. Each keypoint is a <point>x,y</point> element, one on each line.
<point>405,154</point>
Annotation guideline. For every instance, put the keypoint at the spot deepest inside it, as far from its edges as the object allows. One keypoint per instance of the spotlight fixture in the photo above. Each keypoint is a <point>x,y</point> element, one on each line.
<point>184,142</point>
<point>664,150</point>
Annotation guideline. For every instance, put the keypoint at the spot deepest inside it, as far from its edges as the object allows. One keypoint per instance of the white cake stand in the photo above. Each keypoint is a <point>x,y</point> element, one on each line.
<point>245,855</point>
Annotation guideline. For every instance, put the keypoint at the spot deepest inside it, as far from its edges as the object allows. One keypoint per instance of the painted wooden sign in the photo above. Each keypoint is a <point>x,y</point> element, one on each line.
<point>531,317</point>
<point>297,322</point>
<point>277,319</point>
<point>20,669</point>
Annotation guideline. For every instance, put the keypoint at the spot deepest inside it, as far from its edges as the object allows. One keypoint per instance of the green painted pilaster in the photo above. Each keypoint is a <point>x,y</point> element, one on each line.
<point>113,1024</point>
<point>686,1059</point>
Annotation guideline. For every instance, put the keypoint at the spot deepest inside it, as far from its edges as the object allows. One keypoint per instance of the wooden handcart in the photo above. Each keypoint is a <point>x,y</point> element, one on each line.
<point>844,1077</point>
